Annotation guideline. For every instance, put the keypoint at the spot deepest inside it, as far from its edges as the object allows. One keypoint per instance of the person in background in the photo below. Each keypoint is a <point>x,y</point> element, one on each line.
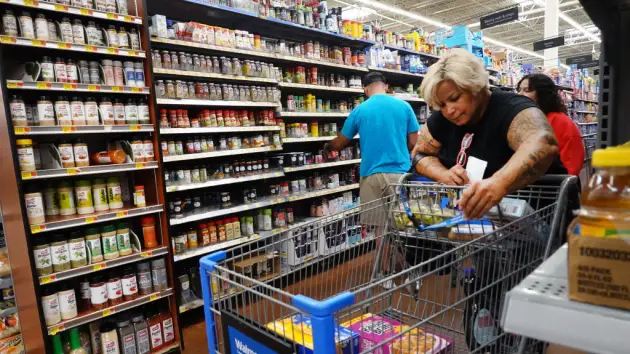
<point>388,129</point>
<point>541,89</point>
<point>501,136</point>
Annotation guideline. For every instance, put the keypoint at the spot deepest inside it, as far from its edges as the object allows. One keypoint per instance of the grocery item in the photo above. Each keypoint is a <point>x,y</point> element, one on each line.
<point>42,256</point>
<point>93,244</point>
<point>129,284</point>
<point>67,303</point>
<point>148,232</point>
<point>127,337</point>
<point>158,275</point>
<point>141,331</point>
<point>110,242</point>
<point>34,205</point>
<point>123,239</point>
<point>60,253</point>
<point>114,193</point>
<point>417,341</point>
<point>98,293</point>
<point>77,249</point>
<point>155,330</point>
<point>26,157</point>
<point>143,275</point>
<point>75,342</point>
<point>114,290</point>
<point>168,330</point>
<point>83,192</point>
<point>109,338</point>
<point>50,307</point>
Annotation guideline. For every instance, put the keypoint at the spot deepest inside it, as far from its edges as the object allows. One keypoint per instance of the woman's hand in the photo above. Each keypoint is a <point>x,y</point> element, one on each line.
<point>480,197</point>
<point>456,176</point>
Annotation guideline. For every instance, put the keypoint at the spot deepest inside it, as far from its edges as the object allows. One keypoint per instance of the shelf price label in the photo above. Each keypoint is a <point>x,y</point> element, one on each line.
<point>91,219</point>
<point>72,171</point>
<point>108,312</point>
<point>117,89</point>
<point>43,85</point>
<point>93,88</point>
<point>61,8</point>
<point>85,12</point>
<point>141,165</point>
<point>47,279</point>
<point>112,16</point>
<point>133,53</point>
<point>121,214</point>
<point>146,254</point>
<point>53,331</point>
<point>64,45</point>
<point>13,85</point>
<point>112,50</point>
<point>128,19</point>
<point>99,266</point>
<point>69,87</point>
<point>31,3</point>
<point>154,297</point>
<point>38,43</point>
<point>67,129</point>
<point>7,40</point>
<point>136,89</point>
<point>29,174</point>
<point>37,228</point>
<point>91,48</point>
<point>135,128</point>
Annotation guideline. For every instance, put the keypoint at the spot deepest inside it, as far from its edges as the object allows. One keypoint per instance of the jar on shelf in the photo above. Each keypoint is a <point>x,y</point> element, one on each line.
<point>129,284</point>
<point>148,232</point>
<point>26,156</point>
<point>9,23</point>
<point>60,253</point>
<point>50,307</point>
<point>108,72</point>
<point>110,242</point>
<point>45,111</point>
<point>42,256</point>
<point>99,195</point>
<point>93,244</point>
<point>67,205</point>
<point>76,247</point>
<point>26,25</point>
<point>158,275</point>
<point>83,192</point>
<point>98,293</point>
<point>123,38</point>
<point>114,193</point>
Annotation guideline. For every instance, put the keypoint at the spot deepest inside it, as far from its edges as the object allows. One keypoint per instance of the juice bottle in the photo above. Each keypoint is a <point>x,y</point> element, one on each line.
<point>605,211</point>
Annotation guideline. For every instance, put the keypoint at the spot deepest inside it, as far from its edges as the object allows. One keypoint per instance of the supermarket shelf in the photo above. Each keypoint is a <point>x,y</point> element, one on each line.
<point>71,10</point>
<point>168,349</point>
<point>254,20</point>
<point>58,86</point>
<point>410,51</point>
<point>190,305</point>
<point>223,181</point>
<point>396,72</point>
<point>259,54</point>
<point>36,43</point>
<point>565,88</point>
<point>216,247</point>
<point>586,123</point>
<point>83,129</point>
<point>90,170</point>
<point>204,130</point>
<point>584,100</point>
<point>261,204</point>
<point>321,165</point>
<point>586,112</point>
<point>205,155</point>
<point>313,114</point>
<point>212,76</point>
<point>209,103</point>
<point>592,135</point>
<point>539,308</point>
<point>320,87</point>
<point>306,140</point>
<point>73,273</point>
<point>64,222</point>
<point>95,315</point>
<point>409,98</point>
<point>6,282</point>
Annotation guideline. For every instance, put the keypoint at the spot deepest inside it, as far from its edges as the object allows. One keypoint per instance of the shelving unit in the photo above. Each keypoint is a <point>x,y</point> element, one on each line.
<point>134,171</point>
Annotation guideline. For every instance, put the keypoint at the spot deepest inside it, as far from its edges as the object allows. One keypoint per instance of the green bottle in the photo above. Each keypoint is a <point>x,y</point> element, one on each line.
<point>57,346</point>
<point>75,342</point>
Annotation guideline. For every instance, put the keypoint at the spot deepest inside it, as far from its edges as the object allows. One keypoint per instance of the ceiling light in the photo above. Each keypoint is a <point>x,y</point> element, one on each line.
<point>402,12</point>
<point>357,12</point>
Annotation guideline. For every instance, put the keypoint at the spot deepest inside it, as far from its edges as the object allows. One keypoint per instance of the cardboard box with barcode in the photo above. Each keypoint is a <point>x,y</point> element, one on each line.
<point>598,266</point>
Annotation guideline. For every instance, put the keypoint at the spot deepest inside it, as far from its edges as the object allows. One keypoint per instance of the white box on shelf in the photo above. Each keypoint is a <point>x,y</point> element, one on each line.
<point>332,236</point>
<point>159,26</point>
<point>301,245</point>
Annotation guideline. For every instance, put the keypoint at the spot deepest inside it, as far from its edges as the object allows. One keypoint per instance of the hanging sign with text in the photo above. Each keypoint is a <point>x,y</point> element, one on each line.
<point>579,59</point>
<point>588,64</point>
<point>549,43</point>
<point>499,18</point>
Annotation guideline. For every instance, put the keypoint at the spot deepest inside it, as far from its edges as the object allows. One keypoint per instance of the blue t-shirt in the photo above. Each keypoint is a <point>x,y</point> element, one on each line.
<point>382,123</point>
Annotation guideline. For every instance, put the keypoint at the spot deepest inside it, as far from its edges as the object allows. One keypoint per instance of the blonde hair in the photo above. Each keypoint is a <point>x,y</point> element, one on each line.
<point>464,69</point>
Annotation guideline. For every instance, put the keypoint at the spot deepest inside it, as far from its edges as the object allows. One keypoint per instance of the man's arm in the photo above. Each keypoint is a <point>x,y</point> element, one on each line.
<point>338,143</point>
<point>535,147</point>
<point>429,166</point>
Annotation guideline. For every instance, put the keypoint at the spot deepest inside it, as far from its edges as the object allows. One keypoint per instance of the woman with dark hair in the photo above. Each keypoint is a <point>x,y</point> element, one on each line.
<point>541,89</point>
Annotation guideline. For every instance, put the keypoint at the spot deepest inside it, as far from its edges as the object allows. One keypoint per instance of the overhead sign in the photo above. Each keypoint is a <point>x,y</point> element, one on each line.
<point>588,64</point>
<point>549,43</point>
<point>499,18</point>
<point>579,59</point>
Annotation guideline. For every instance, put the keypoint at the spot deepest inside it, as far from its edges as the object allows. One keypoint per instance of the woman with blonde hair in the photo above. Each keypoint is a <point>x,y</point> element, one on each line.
<point>503,140</point>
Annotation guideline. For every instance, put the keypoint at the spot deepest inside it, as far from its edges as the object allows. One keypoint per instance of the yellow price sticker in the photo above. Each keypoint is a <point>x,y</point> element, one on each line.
<point>7,40</point>
<point>66,129</point>
<point>136,89</point>
<point>85,12</point>
<point>141,165</point>
<point>63,45</point>
<point>37,228</point>
<point>135,128</point>
<point>128,19</point>
<point>19,130</point>
<point>117,89</point>
<point>72,171</point>
<point>43,85</point>
<point>112,16</point>
<point>12,85</point>
<point>112,50</point>
<point>154,297</point>
<point>53,331</point>
<point>28,175</point>
<point>121,214</point>
<point>91,219</point>
<point>146,254</point>
<point>61,8</point>
<point>68,87</point>
<point>93,88</point>
<point>90,48</point>
<point>99,266</point>
<point>47,279</point>
<point>31,3</point>
<point>38,43</point>
<point>133,53</point>
<point>108,312</point>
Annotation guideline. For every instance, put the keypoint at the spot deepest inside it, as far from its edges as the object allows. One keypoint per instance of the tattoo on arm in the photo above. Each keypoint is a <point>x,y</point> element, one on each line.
<point>431,167</point>
<point>535,147</point>
<point>426,144</point>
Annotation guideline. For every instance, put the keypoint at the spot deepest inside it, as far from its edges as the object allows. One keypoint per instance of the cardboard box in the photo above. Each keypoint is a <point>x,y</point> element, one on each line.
<point>298,329</point>
<point>598,268</point>
<point>260,267</point>
<point>374,330</point>
<point>301,245</point>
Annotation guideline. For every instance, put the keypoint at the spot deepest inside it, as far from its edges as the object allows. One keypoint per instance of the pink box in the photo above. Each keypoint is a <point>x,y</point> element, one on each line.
<point>374,330</point>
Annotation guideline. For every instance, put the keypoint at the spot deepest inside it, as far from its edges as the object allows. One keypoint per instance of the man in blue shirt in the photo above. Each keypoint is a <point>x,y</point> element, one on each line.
<point>388,130</point>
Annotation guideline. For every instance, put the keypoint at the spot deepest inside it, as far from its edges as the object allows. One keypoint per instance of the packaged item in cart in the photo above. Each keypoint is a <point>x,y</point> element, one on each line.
<point>417,341</point>
<point>298,329</point>
<point>12,345</point>
<point>374,330</point>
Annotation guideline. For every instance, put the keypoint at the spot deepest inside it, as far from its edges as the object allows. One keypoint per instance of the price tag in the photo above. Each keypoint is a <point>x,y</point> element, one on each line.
<point>61,8</point>
<point>37,228</point>
<point>108,312</point>
<point>43,85</point>
<point>29,175</point>
<point>154,297</point>
<point>66,129</point>
<point>128,19</point>
<point>112,50</point>
<point>91,219</point>
<point>31,3</point>
<point>53,331</point>
<point>7,40</point>
<point>85,12</point>
<point>37,43</point>
<point>183,308</point>
<point>117,89</point>
<point>90,48</point>
<point>146,254</point>
<point>136,89</point>
<point>47,279</point>
<point>141,165</point>
<point>135,128</point>
<point>12,85</point>
<point>133,53</point>
<point>99,266</point>
<point>68,87</point>
<point>93,88</point>
<point>112,16</point>
<point>64,45</point>
<point>171,189</point>
<point>19,130</point>
<point>122,214</point>
<point>72,171</point>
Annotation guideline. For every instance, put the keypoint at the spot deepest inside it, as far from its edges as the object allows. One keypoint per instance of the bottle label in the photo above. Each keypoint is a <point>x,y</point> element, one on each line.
<point>114,289</point>
<point>63,114</point>
<point>124,242</point>
<point>129,285</point>
<point>81,157</point>
<point>143,341</point>
<point>95,247</point>
<point>60,72</point>
<point>77,33</point>
<point>131,113</point>
<point>123,40</point>
<point>10,25</point>
<point>84,198</point>
<point>51,308</point>
<point>138,150</point>
<point>18,111</point>
<point>78,111</point>
<point>60,254</point>
<point>156,335</point>
<point>129,344</point>
<point>66,32</point>
<point>100,196</point>
<point>68,303</point>
<point>144,280</point>
<point>67,154</point>
<point>46,112</point>
<point>26,157</point>
<point>26,23</point>
<point>48,71</point>
<point>91,112</point>
<point>98,294</point>
<point>109,244</point>
<point>148,150</point>
<point>169,333</point>
<point>77,251</point>
<point>43,258</point>
<point>114,194</point>
<point>85,290</point>
<point>110,346</point>
<point>119,114</point>
<point>107,111</point>
<point>72,73</point>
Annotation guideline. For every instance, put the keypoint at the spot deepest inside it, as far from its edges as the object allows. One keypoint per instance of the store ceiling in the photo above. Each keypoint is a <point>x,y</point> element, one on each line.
<point>522,33</point>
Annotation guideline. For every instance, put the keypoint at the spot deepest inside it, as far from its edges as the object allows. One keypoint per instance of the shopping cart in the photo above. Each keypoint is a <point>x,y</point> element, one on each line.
<point>367,280</point>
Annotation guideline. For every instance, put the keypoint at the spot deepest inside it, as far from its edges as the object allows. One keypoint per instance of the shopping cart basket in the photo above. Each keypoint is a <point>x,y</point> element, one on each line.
<point>366,280</point>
